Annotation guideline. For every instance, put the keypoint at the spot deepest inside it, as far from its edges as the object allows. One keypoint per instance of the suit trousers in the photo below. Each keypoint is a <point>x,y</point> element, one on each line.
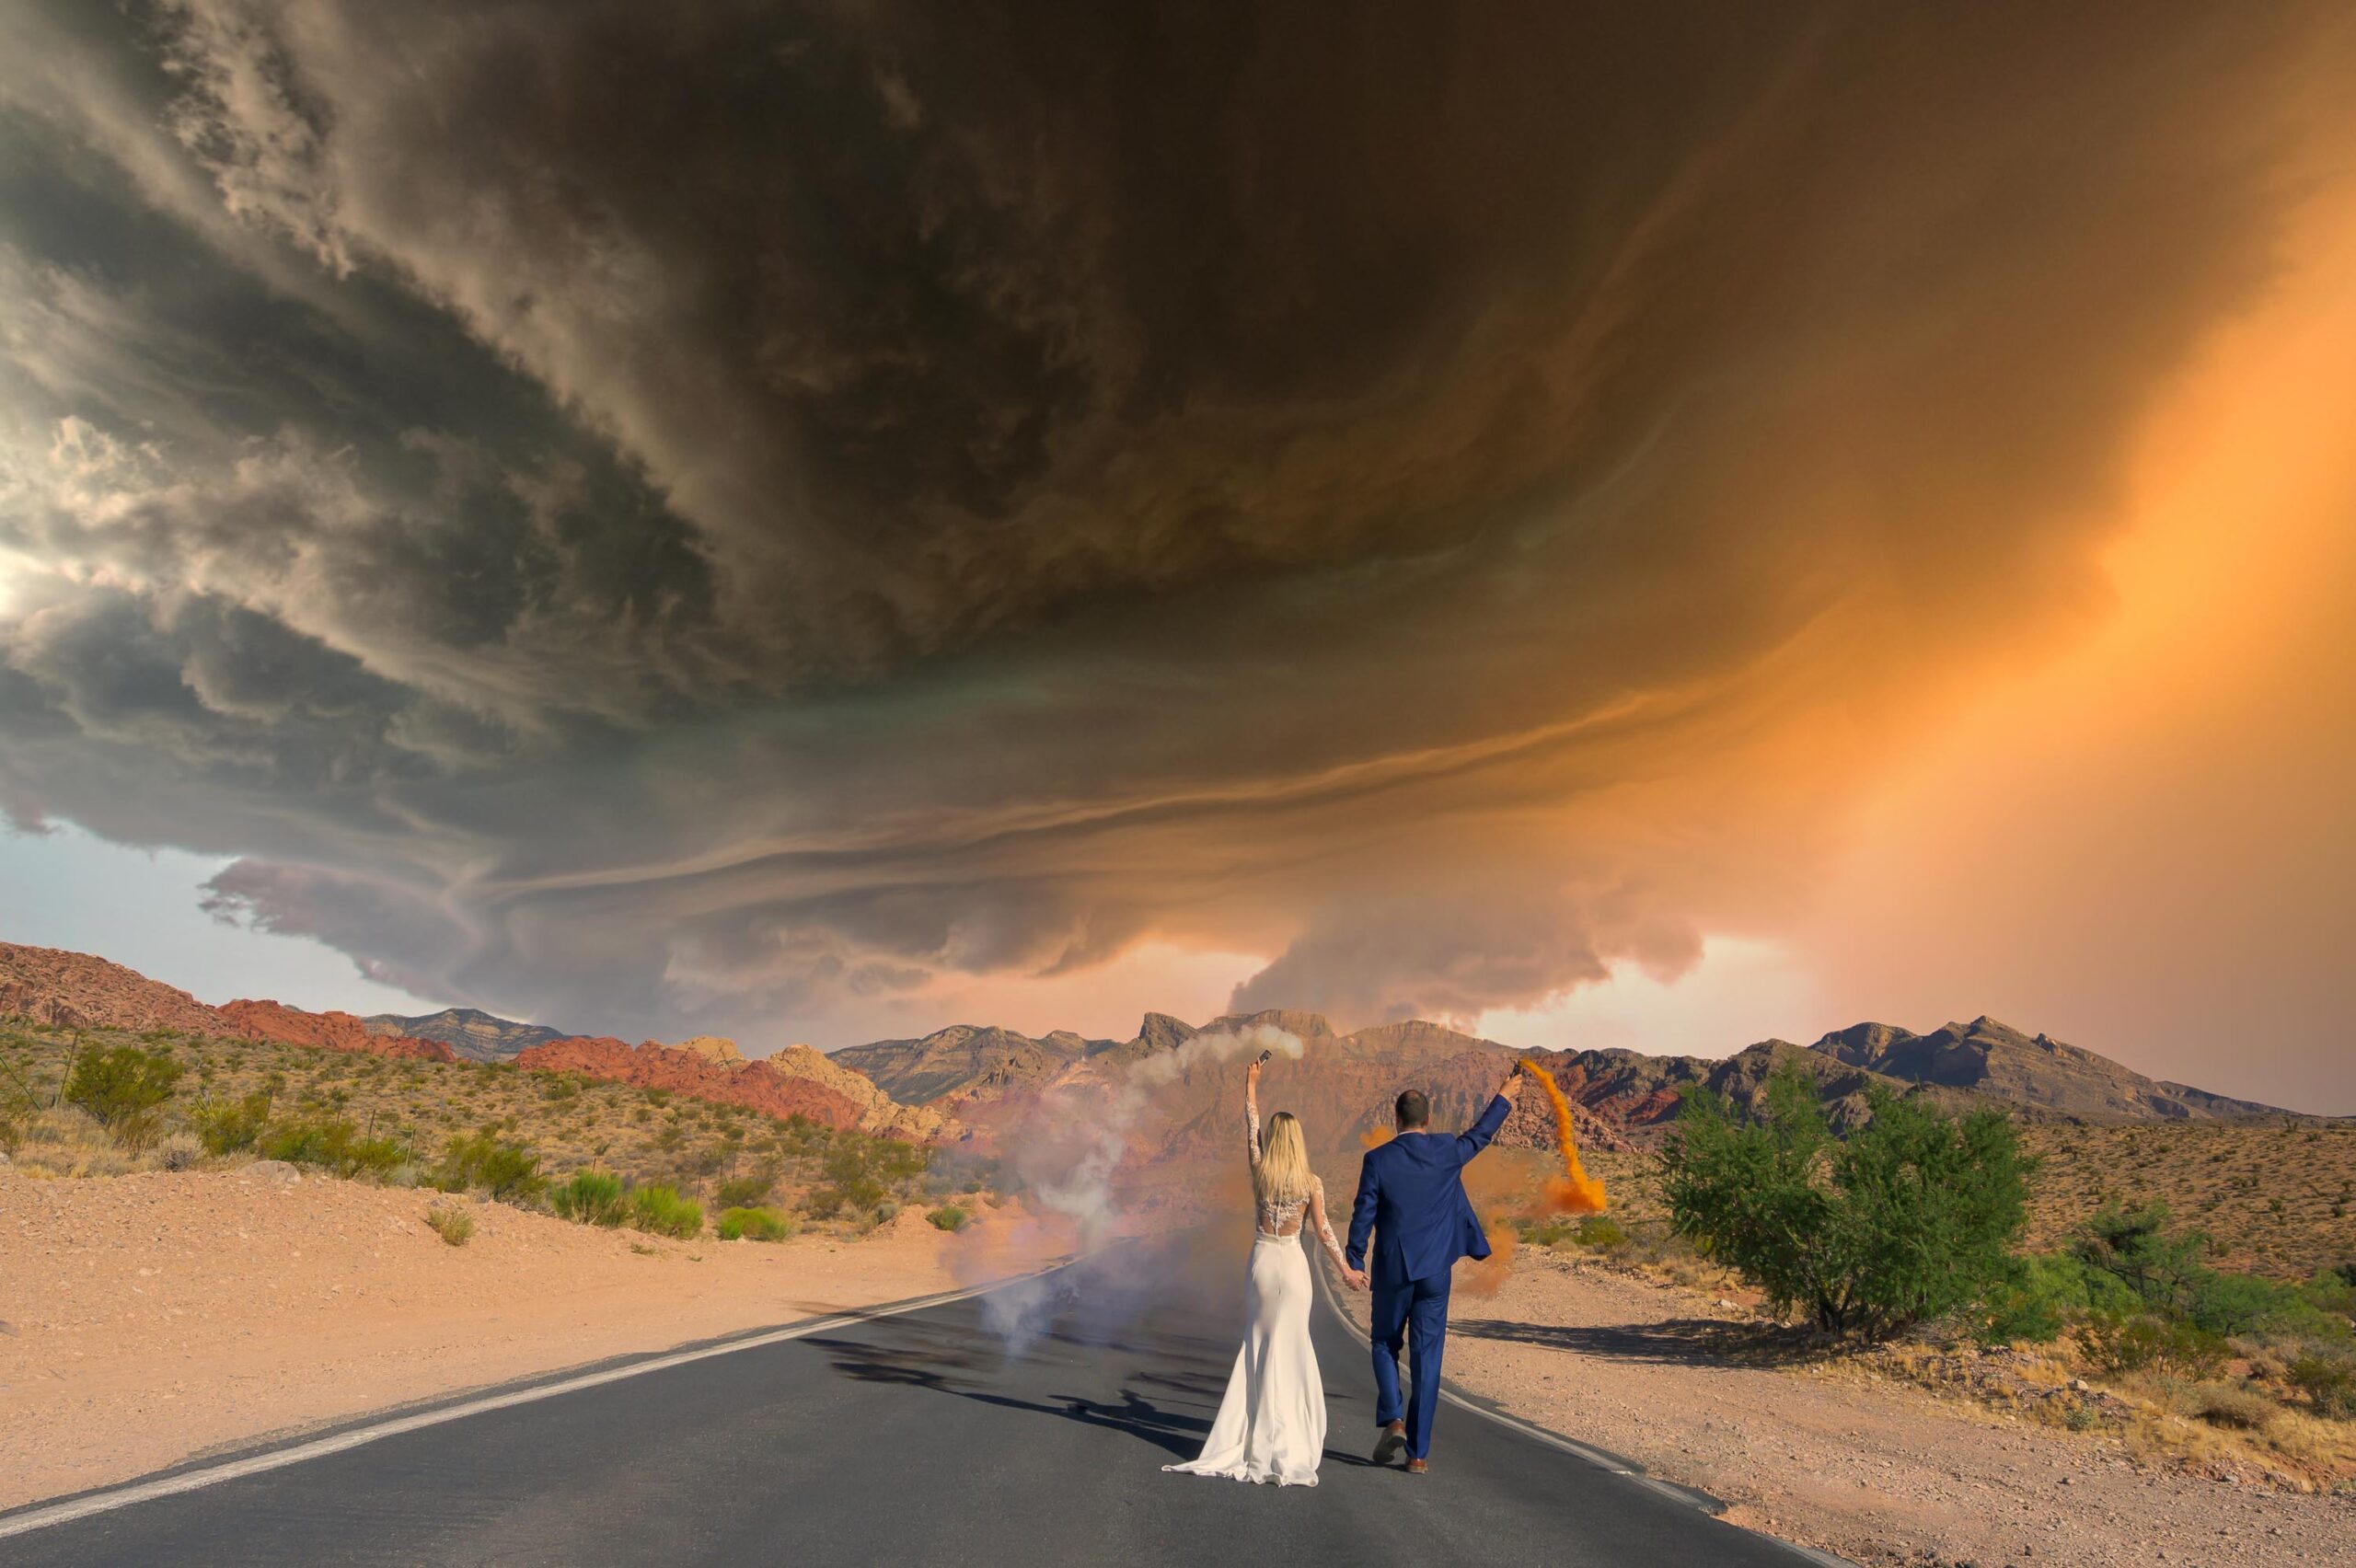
<point>1413,1313</point>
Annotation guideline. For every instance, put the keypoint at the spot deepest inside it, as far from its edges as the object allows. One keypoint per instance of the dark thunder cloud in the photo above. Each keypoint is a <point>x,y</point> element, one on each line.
<point>732,513</point>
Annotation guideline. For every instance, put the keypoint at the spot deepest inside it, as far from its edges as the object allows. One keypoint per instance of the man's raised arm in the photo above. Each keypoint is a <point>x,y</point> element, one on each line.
<point>1475,1138</point>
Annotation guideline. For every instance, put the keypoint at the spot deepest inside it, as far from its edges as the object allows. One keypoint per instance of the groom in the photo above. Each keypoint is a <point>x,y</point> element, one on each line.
<point>1411,1194</point>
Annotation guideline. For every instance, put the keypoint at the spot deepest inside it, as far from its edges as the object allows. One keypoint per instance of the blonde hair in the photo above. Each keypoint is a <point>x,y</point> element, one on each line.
<point>1282,1175</point>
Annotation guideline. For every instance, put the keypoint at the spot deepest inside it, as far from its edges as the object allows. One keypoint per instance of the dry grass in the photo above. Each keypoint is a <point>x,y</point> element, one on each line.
<point>570,1123</point>
<point>64,1141</point>
<point>454,1226</point>
<point>2277,1196</point>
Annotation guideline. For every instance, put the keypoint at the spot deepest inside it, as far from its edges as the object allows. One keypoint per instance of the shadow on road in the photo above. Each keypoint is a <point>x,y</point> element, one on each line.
<point>1679,1342</point>
<point>936,1366</point>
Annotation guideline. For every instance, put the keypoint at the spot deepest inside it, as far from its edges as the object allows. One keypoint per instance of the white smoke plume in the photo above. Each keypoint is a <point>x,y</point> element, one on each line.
<point>1071,1149</point>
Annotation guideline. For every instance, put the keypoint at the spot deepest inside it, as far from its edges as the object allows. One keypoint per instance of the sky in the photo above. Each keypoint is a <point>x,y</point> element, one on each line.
<point>1656,528</point>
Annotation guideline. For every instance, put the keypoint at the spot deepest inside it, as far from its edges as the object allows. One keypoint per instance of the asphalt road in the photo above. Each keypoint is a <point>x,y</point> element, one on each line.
<point>1020,1428</point>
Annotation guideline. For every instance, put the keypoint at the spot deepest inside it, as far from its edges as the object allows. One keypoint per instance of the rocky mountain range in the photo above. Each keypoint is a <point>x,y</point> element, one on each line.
<point>476,1035</point>
<point>74,990</point>
<point>968,1077</point>
<point>1620,1096</point>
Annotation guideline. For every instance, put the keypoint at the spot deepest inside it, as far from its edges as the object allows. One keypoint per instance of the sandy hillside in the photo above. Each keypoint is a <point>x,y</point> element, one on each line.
<point>1880,1475</point>
<point>147,1317</point>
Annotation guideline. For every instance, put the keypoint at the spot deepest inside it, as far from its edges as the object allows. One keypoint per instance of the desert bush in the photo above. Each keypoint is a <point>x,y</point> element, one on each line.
<point>231,1128</point>
<point>1912,1217</point>
<point>121,1084</point>
<point>823,1201</point>
<point>590,1197</point>
<point>2038,1296</point>
<point>454,1226</point>
<point>744,1191</point>
<point>754,1225</point>
<point>1599,1230</point>
<point>2328,1379</point>
<point>661,1210</point>
<point>2119,1341</point>
<point>509,1172</point>
<point>180,1151</point>
<point>2223,1404</point>
<point>949,1216</point>
<point>333,1145</point>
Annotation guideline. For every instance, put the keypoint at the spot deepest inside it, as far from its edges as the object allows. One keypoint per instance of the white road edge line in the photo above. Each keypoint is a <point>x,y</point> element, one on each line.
<point>279,1458</point>
<point>1594,1457</point>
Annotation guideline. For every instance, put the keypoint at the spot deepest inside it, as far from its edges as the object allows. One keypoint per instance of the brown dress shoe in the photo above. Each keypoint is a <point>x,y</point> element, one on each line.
<point>1417,1466</point>
<point>1393,1442</point>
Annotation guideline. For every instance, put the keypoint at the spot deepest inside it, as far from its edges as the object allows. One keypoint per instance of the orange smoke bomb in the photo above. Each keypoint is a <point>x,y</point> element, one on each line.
<point>1574,1192</point>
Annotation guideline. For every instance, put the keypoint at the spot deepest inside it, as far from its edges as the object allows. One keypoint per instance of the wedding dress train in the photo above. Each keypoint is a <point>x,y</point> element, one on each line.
<point>1271,1425</point>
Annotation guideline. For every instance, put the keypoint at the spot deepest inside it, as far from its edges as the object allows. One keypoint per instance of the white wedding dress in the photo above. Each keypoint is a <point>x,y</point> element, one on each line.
<point>1271,1425</point>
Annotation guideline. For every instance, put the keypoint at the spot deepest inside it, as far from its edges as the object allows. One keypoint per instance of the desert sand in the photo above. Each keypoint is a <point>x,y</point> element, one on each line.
<point>1881,1475</point>
<point>146,1318</point>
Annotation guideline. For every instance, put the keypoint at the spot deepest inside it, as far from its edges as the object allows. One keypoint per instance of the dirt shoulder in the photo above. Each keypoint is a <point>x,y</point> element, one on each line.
<point>1878,1473</point>
<point>144,1319</point>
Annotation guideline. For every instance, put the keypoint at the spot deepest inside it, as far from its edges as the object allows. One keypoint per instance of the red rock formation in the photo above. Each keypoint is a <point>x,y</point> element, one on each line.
<point>757,1085</point>
<point>326,1031</point>
<point>74,989</point>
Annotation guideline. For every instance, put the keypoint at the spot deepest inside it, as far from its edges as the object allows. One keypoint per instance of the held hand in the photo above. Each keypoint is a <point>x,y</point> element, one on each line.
<point>1252,1074</point>
<point>1356,1278</point>
<point>1510,1090</point>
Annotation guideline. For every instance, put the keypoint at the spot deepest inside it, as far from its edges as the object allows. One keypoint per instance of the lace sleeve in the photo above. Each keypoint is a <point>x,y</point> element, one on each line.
<point>1324,1228</point>
<point>1252,1129</point>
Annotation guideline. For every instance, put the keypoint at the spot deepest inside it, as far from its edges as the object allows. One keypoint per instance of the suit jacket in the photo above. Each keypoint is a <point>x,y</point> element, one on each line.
<point>1411,1195</point>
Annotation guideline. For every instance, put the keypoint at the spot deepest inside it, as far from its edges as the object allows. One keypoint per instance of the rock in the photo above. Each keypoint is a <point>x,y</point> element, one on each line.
<point>276,1171</point>
<point>711,1048</point>
<point>2079,1385</point>
<point>75,990</point>
<point>330,1031</point>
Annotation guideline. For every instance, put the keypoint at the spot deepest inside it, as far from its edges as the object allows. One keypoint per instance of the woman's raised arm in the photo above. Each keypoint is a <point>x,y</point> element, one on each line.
<point>1252,1113</point>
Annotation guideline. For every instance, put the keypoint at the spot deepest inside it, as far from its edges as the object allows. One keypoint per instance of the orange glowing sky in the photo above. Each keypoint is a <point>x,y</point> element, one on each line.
<point>2137,836</point>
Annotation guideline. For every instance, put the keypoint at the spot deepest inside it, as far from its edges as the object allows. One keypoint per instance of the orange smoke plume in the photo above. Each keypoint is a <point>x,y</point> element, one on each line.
<point>1576,1191</point>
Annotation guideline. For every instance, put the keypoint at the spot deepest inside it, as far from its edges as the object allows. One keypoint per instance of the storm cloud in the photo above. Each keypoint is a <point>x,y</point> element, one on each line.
<point>722,516</point>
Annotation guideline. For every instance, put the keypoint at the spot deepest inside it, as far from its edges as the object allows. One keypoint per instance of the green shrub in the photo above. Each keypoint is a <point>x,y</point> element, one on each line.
<point>2117,1341</point>
<point>1599,1230</point>
<point>752,1224</point>
<point>509,1172</point>
<point>333,1146</point>
<point>949,1216</point>
<point>591,1197</point>
<point>2328,1379</point>
<point>660,1211</point>
<point>743,1192</point>
<point>1912,1215</point>
<point>119,1087</point>
<point>454,1226</point>
<point>234,1127</point>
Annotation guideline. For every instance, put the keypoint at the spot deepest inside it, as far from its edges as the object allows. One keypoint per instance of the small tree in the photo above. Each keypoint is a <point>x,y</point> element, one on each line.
<point>119,1086</point>
<point>1914,1214</point>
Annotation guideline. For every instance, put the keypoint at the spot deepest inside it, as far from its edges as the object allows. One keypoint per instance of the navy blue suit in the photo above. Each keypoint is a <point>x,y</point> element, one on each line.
<point>1411,1195</point>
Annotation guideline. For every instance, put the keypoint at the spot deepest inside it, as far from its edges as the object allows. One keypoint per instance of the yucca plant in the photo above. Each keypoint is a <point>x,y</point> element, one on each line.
<point>591,1197</point>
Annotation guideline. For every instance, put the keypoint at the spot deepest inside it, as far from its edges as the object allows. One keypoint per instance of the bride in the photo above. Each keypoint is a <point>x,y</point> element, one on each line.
<point>1271,1425</point>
